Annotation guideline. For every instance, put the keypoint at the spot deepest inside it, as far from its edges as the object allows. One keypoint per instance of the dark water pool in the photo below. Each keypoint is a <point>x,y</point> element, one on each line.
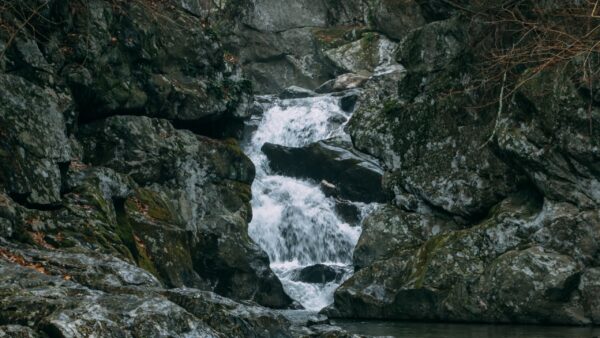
<point>426,330</point>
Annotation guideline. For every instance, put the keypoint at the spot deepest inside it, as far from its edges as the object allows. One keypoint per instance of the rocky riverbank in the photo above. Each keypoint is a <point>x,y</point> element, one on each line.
<point>125,196</point>
<point>118,217</point>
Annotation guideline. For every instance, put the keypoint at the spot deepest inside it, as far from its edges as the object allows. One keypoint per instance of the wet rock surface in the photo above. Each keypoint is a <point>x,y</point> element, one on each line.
<point>309,42</point>
<point>356,176</point>
<point>112,221</point>
<point>295,92</point>
<point>122,215</point>
<point>320,273</point>
<point>490,221</point>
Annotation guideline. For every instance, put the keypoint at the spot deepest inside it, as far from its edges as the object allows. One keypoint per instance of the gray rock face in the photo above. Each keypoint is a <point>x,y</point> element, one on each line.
<point>553,145</point>
<point>390,229</point>
<point>33,139</point>
<point>480,274</point>
<point>308,42</point>
<point>396,18</point>
<point>152,66</point>
<point>17,331</point>
<point>431,157</point>
<point>295,92</point>
<point>57,305</point>
<point>277,16</point>
<point>196,188</point>
<point>491,221</point>
<point>103,213</point>
<point>362,56</point>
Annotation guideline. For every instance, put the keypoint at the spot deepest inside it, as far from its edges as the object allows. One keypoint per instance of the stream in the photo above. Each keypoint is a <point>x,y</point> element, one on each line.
<point>293,221</point>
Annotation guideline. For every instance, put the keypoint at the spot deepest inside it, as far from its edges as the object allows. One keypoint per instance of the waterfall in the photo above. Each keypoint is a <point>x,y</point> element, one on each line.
<point>294,222</point>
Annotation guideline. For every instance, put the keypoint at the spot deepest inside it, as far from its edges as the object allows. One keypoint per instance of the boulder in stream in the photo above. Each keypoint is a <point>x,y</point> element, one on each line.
<point>357,176</point>
<point>295,92</point>
<point>320,274</point>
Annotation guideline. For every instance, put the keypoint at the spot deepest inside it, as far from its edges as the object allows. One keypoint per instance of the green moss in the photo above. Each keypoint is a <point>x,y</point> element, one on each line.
<point>391,107</point>
<point>125,231</point>
<point>152,204</point>
<point>337,36</point>
<point>425,254</point>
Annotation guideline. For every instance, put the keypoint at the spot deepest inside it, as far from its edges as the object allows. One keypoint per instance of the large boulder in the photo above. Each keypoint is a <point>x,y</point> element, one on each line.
<point>489,272</point>
<point>320,274</point>
<point>195,202</point>
<point>431,144</point>
<point>277,43</point>
<point>60,306</point>
<point>130,58</point>
<point>389,229</point>
<point>496,216</point>
<point>277,16</point>
<point>308,42</point>
<point>141,62</point>
<point>274,61</point>
<point>33,140</point>
<point>364,55</point>
<point>396,18</point>
<point>551,139</point>
<point>356,176</point>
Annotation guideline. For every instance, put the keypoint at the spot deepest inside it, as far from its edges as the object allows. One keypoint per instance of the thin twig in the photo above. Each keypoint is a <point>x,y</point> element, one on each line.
<point>500,108</point>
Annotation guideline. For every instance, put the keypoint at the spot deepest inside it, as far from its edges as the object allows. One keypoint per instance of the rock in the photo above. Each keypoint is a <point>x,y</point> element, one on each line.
<point>434,46</point>
<point>570,231</point>
<point>546,285</point>
<point>90,269</point>
<point>103,207</point>
<point>496,255</point>
<point>141,69</point>
<point>275,61</point>
<point>17,331</point>
<point>342,83</point>
<point>186,175</point>
<point>590,287</point>
<point>329,189</point>
<point>348,101</point>
<point>548,136</point>
<point>437,10</point>
<point>55,304</point>
<point>348,212</point>
<point>390,229</point>
<point>295,92</point>
<point>364,55</point>
<point>276,16</point>
<point>33,141</point>
<point>66,309</point>
<point>433,159</point>
<point>231,318</point>
<point>278,49</point>
<point>329,331</point>
<point>357,176</point>
<point>396,18</point>
<point>320,274</point>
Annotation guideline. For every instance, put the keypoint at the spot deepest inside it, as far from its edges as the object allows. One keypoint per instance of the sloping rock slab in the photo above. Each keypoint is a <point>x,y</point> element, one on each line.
<point>357,176</point>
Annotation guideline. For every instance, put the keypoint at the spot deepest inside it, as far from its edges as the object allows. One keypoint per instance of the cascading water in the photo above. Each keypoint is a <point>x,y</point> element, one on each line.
<point>294,222</point>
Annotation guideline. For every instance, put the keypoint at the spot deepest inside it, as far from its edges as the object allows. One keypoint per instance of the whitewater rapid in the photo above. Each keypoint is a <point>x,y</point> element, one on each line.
<point>293,221</point>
